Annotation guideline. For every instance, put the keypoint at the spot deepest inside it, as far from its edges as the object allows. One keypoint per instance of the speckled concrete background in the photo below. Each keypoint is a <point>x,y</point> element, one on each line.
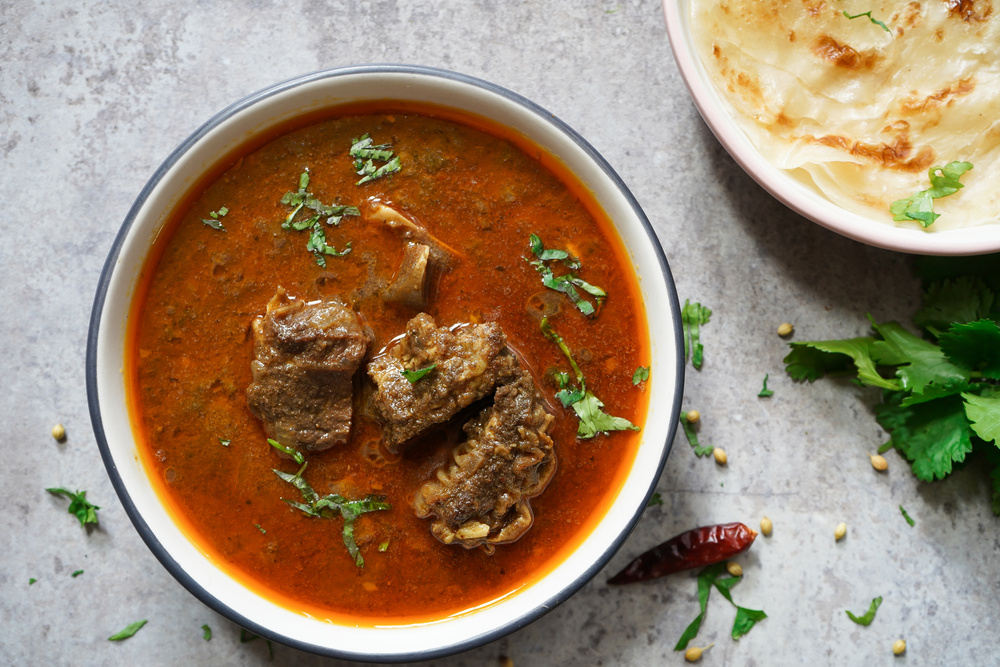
<point>93,96</point>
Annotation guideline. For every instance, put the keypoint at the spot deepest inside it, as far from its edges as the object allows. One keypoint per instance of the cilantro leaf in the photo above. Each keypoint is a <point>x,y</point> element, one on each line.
<point>869,616</point>
<point>745,620</point>
<point>870,18</point>
<point>906,516</point>
<point>764,391</point>
<point>316,244</point>
<point>933,435</point>
<point>641,375</point>
<point>692,437</point>
<point>920,363</point>
<point>206,632</point>
<point>79,506</point>
<point>975,346</point>
<point>804,362</point>
<point>654,500</point>
<point>290,451</point>
<point>812,366</point>
<point>983,412</point>
<point>568,282</point>
<point>416,374</point>
<point>993,456</point>
<point>76,574</point>
<point>333,504</point>
<point>964,299</point>
<point>594,420</point>
<point>693,315</point>
<point>705,579</point>
<point>127,632</point>
<point>944,181</point>
<point>213,219</point>
<point>365,153</point>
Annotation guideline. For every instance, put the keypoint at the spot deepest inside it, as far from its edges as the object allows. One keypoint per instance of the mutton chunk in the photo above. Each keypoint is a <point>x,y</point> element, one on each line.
<point>470,362</point>
<point>305,357</point>
<point>482,498</point>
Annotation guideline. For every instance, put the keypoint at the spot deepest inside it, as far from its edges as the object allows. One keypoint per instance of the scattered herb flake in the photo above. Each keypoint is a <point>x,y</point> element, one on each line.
<point>384,546</point>
<point>262,531</point>
<point>654,500</point>
<point>316,244</point>
<point>224,442</point>
<point>870,18</point>
<point>745,620</point>
<point>567,282</point>
<point>76,574</point>
<point>765,392</point>
<point>206,632</point>
<point>906,516</point>
<point>692,437</point>
<point>641,375</point>
<point>693,315</point>
<point>365,153</point>
<point>127,632</point>
<point>79,506</point>
<point>717,576</point>
<point>414,375</point>
<point>944,182</point>
<point>32,580</point>
<point>869,615</point>
<point>213,219</point>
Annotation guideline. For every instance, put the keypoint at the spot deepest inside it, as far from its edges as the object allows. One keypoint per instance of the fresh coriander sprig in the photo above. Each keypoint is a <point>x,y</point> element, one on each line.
<point>920,207</point>
<point>870,18</point>
<point>79,506</point>
<point>588,408</point>
<point>687,424</point>
<point>713,575</point>
<point>693,315</point>
<point>567,282</point>
<point>214,221</point>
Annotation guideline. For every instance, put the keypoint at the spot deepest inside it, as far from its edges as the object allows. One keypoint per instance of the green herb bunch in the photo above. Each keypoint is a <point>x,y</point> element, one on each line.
<point>940,390</point>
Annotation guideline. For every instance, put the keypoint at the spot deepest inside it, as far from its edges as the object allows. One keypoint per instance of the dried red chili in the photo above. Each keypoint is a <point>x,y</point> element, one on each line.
<point>699,547</point>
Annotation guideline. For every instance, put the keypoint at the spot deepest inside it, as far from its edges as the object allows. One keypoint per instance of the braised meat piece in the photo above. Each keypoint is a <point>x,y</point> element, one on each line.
<point>468,363</point>
<point>305,357</point>
<point>482,498</point>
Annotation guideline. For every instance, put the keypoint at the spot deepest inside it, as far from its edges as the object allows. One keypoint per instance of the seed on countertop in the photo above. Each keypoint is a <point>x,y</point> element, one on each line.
<point>693,416</point>
<point>879,462</point>
<point>693,654</point>
<point>720,456</point>
<point>766,527</point>
<point>59,432</point>
<point>841,530</point>
<point>785,329</point>
<point>734,569</point>
<point>899,647</point>
<point>506,661</point>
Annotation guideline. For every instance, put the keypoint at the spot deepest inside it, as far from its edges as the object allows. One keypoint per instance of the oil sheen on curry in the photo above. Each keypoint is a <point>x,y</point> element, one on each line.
<point>382,366</point>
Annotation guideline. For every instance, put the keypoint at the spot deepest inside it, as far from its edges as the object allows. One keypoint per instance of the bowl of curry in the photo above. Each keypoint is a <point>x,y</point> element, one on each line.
<point>384,362</point>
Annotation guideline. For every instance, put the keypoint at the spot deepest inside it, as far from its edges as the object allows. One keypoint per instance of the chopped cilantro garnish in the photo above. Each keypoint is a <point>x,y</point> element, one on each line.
<point>206,632</point>
<point>654,500</point>
<point>330,505</point>
<point>416,374</point>
<point>316,244</point>
<point>585,404</point>
<point>383,547</point>
<point>714,576</point>
<point>641,375</point>
<point>764,391</point>
<point>262,531</point>
<point>224,442</point>
<point>79,506</point>
<point>294,453</point>
<point>944,182</point>
<point>76,574</point>
<point>693,315</point>
<point>869,615</point>
<point>213,219</point>
<point>692,437</point>
<point>127,632</point>
<point>365,152</point>
<point>906,516</point>
<point>567,282</point>
<point>32,580</point>
<point>870,18</point>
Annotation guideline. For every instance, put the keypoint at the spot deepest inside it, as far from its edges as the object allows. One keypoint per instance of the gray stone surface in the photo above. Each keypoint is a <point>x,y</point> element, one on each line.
<point>93,96</point>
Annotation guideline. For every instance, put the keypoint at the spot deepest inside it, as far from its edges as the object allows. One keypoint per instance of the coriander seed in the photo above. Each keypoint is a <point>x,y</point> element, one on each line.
<point>840,531</point>
<point>899,647</point>
<point>785,329</point>
<point>734,569</point>
<point>59,432</point>
<point>720,456</point>
<point>693,416</point>
<point>766,527</point>
<point>879,462</point>
<point>694,653</point>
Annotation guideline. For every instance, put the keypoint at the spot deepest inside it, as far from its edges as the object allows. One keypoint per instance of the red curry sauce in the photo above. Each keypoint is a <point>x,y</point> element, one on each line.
<point>477,189</point>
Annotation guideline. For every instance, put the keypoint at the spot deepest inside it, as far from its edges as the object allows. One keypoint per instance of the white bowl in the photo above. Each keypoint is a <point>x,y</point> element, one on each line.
<point>106,348</point>
<point>792,193</point>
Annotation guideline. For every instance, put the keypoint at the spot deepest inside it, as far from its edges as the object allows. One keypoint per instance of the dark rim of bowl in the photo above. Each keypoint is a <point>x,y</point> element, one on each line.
<point>95,404</point>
